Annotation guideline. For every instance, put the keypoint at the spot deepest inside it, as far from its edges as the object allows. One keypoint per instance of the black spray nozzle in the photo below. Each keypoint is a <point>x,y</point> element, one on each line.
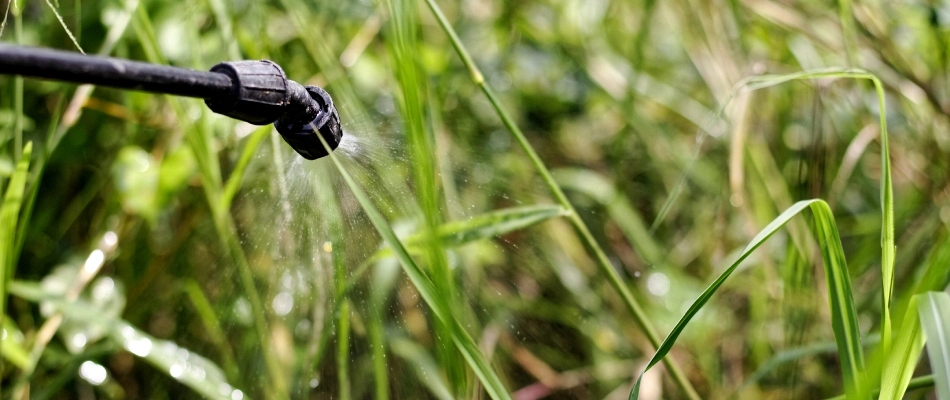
<point>300,134</point>
<point>261,94</point>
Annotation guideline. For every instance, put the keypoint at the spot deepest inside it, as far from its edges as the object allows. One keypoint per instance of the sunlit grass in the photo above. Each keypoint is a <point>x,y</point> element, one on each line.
<point>528,215</point>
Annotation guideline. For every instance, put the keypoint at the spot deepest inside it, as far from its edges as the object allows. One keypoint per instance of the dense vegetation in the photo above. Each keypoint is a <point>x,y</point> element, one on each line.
<point>530,198</point>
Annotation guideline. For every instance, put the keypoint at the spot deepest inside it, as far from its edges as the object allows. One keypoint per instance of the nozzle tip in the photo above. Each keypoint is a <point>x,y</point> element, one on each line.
<point>300,134</point>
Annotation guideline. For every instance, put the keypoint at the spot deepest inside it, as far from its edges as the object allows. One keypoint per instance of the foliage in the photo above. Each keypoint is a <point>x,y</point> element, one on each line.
<point>530,196</point>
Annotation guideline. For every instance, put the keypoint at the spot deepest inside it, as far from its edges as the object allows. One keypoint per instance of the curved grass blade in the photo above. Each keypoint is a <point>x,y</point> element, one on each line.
<point>484,226</point>
<point>843,313</point>
<point>434,298</point>
<point>888,248</point>
<point>934,311</point>
<point>495,223</point>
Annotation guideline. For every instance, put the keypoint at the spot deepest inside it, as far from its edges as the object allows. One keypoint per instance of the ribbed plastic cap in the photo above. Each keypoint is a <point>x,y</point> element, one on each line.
<point>259,95</point>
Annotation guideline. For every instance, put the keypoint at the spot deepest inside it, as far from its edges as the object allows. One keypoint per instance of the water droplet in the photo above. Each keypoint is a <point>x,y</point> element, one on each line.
<point>283,303</point>
<point>182,354</point>
<point>176,370</point>
<point>95,260</point>
<point>140,346</point>
<point>658,284</point>
<point>93,373</point>
<point>79,340</point>
<point>224,389</point>
<point>109,240</point>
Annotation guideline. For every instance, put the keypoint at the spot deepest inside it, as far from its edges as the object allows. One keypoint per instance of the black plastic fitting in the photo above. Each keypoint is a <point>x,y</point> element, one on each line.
<point>261,94</point>
<point>300,134</point>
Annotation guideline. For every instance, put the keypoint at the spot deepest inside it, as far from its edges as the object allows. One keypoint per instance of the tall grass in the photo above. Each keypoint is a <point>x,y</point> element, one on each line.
<point>841,301</point>
<point>528,215</point>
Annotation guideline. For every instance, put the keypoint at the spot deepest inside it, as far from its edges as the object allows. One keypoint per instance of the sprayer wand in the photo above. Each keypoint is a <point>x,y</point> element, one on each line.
<point>257,92</point>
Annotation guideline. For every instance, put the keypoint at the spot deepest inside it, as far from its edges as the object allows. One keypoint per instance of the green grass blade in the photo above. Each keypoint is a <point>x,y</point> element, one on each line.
<point>212,325</point>
<point>919,382</point>
<point>385,276</point>
<point>334,223</point>
<point>240,168</point>
<point>935,277</point>
<point>904,355</point>
<point>934,311</point>
<point>11,345</point>
<point>888,248</point>
<point>343,351</point>
<point>382,287</point>
<point>12,202</point>
<point>484,226</point>
<point>844,316</point>
<point>494,224</point>
<point>402,30</point>
<point>423,365</point>
<point>456,233</point>
<point>698,304</point>
<point>436,300</point>
<point>796,354</point>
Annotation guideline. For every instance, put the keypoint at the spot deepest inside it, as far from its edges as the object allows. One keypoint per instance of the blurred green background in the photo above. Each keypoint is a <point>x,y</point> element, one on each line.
<point>163,251</point>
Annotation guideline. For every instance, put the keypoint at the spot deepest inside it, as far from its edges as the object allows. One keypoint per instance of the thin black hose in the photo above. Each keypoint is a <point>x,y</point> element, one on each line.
<point>79,68</point>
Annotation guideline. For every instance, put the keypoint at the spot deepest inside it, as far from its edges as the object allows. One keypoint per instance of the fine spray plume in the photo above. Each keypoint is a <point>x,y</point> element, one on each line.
<point>257,92</point>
